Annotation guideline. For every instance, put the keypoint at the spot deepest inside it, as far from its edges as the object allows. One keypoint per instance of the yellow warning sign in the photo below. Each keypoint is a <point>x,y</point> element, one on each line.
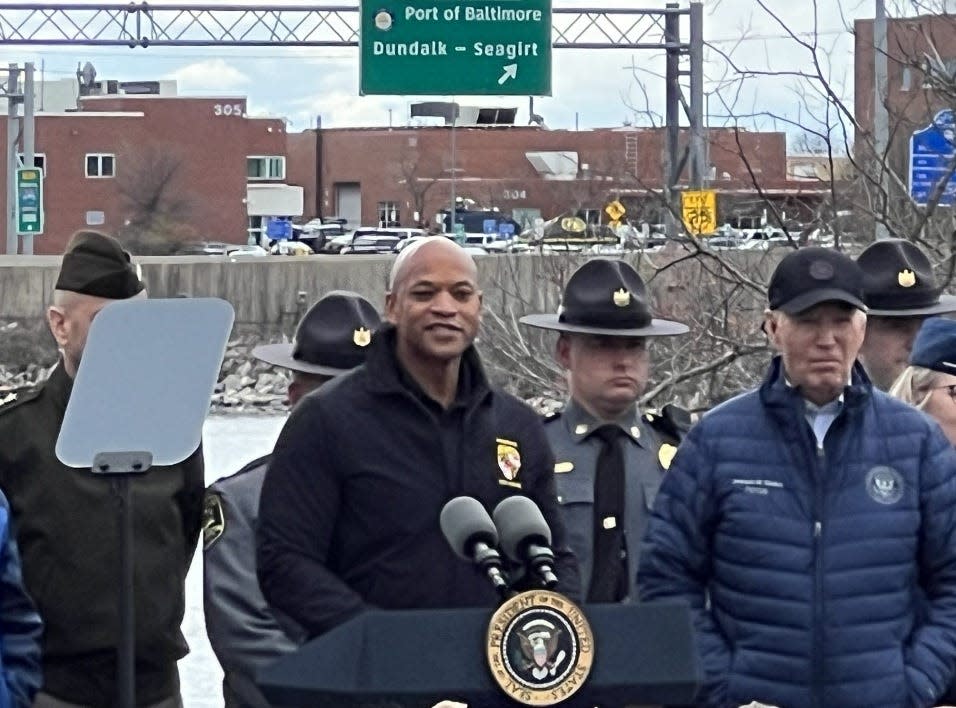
<point>615,210</point>
<point>699,211</point>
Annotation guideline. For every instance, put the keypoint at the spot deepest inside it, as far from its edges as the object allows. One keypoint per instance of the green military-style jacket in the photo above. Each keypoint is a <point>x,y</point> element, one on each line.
<point>67,528</point>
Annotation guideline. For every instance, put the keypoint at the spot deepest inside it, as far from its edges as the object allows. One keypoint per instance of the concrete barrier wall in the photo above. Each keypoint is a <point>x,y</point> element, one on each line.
<point>265,291</point>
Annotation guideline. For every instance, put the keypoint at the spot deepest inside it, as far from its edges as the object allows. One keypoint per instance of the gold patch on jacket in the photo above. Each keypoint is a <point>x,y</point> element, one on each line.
<point>666,454</point>
<point>213,520</point>
<point>509,462</point>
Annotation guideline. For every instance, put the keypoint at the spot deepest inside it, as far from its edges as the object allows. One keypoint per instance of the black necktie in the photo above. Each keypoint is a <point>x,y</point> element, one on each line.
<point>609,582</point>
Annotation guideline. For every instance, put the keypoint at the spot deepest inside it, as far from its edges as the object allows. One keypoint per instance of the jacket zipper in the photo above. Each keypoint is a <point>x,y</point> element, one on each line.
<point>818,485</point>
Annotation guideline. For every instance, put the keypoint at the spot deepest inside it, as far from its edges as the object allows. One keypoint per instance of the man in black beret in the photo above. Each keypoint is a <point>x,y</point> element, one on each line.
<point>610,457</point>
<point>901,291</point>
<point>65,517</point>
<point>332,338</point>
<point>810,524</point>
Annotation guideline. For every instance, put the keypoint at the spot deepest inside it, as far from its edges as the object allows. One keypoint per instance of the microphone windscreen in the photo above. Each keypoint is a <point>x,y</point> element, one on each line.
<point>519,520</point>
<point>463,522</point>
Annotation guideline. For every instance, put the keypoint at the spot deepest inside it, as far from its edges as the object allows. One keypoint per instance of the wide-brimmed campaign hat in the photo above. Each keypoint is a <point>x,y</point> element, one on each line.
<point>898,281</point>
<point>606,297</point>
<point>811,276</point>
<point>331,339</point>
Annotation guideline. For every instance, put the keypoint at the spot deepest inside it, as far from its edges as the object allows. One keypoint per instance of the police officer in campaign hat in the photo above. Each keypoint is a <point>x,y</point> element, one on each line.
<point>245,633</point>
<point>901,291</point>
<point>64,517</point>
<point>609,456</point>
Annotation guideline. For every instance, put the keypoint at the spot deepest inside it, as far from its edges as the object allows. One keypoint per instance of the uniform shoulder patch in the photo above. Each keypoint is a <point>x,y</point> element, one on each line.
<point>213,520</point>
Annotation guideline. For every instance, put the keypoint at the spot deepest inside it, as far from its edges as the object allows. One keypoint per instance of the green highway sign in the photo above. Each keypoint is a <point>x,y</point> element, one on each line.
<point>446,47</point>
<point>29,200</point>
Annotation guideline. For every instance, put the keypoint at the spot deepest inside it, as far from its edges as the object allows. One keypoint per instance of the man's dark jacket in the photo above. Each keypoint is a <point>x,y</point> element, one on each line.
<point>67,527</point>
<point>805,566</point>
<point>349,514</point>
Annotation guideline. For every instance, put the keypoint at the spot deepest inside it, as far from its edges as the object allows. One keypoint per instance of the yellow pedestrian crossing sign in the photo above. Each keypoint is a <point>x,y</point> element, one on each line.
<point>699,211</point>
<point>615,210</point>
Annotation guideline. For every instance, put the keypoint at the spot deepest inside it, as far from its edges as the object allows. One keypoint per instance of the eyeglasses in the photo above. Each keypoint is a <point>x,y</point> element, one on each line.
<point>951,388</point>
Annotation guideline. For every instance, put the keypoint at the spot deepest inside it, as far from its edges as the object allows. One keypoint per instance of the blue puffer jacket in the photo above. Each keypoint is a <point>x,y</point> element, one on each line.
<point>805,567</point>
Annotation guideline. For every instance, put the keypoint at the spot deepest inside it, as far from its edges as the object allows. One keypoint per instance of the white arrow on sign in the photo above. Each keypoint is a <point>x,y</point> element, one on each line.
<point>511,71</point>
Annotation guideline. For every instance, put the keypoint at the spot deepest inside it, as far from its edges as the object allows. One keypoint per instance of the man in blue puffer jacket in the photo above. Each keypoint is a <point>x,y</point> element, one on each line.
<point>806,521</point>
<point>20,625</point>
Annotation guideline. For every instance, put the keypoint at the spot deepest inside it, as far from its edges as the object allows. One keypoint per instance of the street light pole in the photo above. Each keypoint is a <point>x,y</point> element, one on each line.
<point>454,120</point>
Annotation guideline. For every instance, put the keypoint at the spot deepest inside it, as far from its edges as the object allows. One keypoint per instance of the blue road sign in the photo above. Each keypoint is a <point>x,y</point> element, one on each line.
<point>280,229</point>
<point>932,156</point>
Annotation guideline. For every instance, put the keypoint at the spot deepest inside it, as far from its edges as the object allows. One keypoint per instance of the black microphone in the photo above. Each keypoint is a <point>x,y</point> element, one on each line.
<point>526,537</point>
<point>472,535</point>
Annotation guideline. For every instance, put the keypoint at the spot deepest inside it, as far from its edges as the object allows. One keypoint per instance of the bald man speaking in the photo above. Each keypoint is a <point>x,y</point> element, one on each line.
<point>349,514</point>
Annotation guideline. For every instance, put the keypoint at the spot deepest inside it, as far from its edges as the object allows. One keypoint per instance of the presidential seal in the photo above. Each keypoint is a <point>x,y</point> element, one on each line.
<point>540,648</point>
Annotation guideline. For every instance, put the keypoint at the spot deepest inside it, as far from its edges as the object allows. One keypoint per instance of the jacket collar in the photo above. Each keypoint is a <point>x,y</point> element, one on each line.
<point>775,392</point>
<point>386,374</point>
<point>59,386</point>
<point>580,424</point>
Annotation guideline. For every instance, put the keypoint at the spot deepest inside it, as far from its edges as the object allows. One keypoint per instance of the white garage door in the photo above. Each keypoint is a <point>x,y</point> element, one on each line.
<point>348,203</point>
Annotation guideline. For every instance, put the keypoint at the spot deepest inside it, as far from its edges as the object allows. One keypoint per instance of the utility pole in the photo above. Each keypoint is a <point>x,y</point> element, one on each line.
<point>880,120</point>
<point>29,131</point>
<point>698,166</point>
<point>13,128</point>
<point>672,117</point>
<point>454,165</point>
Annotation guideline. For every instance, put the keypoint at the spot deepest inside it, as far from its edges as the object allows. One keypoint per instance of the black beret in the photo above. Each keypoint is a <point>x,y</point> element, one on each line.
<point>935,345</point>
<point>96,264</point>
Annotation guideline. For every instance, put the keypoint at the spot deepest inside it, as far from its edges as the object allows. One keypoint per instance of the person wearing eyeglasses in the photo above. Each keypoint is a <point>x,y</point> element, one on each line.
<point>929,382</point>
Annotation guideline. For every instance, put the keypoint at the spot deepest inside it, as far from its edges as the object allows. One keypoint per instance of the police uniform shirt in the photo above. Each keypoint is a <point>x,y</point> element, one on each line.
<point>576,452</point>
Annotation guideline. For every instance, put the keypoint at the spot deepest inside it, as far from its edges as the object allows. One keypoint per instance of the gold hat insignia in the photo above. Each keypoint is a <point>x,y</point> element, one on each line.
<point>666,454</point>
<point>362,336</point>
<point>622,298</point>
<point>906,278</point>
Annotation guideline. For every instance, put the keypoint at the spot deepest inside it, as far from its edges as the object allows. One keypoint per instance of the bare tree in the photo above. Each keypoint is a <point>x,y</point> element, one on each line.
<point>156,200</point>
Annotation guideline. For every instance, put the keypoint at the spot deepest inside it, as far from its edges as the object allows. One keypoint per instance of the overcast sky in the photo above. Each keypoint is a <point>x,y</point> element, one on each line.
<point>590,88</point>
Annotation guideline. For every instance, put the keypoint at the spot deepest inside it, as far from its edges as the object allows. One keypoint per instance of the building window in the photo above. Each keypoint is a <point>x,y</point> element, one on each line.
<point>265,167</point>
<point>100,165</point>
<point>39,161</point>
<point>906,79</point>
<point>388,214</point>
<point>939,73</point>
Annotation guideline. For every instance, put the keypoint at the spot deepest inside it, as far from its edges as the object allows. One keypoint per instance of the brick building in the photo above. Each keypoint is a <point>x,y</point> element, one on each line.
<point>921,79</point>
<point>213,171</point>
<point>373,175</point>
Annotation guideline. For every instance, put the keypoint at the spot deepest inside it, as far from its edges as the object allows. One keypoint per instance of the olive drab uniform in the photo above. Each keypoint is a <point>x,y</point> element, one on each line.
<point>69,538</point>
<point>651,440</point>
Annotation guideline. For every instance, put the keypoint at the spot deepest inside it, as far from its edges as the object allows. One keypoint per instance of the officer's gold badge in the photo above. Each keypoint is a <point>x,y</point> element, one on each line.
<point>509,462</point>
<point>906,278</point>
<point>213,520</point>
<point>362,336</point>
<point>665,454</point>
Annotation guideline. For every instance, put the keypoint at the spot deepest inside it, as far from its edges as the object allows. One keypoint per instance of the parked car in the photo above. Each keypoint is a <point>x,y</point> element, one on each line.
<point>206,248</point>
<point>290,248</point>
<point>372,243</point>
<point>252,251</point>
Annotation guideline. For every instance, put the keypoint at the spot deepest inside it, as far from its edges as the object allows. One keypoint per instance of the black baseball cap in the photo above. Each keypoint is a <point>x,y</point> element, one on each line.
<point>935,346</point>
<point>810,276</point>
